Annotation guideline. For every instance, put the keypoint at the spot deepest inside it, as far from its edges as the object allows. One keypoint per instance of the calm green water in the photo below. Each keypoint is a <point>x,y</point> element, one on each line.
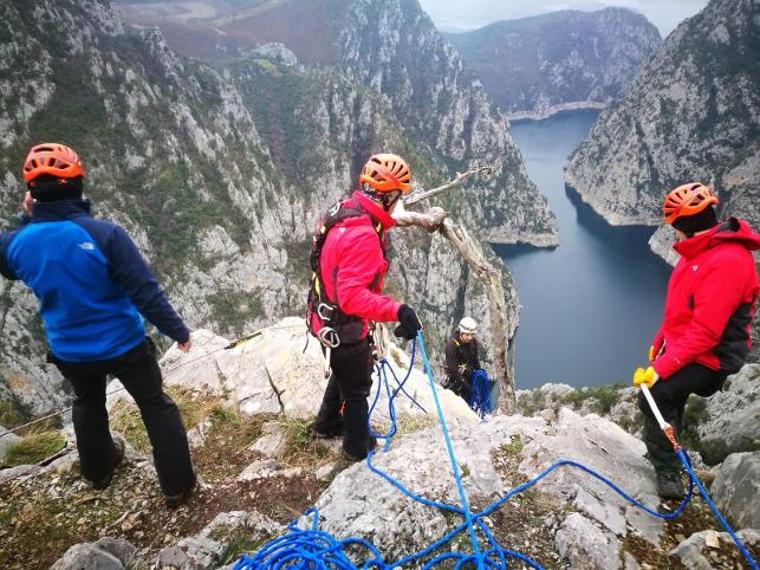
<point>590,306</point>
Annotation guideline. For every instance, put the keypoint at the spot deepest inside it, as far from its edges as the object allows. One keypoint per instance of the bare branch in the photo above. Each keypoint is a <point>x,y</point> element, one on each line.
<point>431,221</point>
<point>453,183</point>
<point>491,277</point>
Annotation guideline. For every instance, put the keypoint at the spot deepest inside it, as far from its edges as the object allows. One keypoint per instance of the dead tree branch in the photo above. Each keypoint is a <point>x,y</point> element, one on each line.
<point>430,221</point>
<point>472,253</point>
<point>436,219</point>
<point>453,183</point>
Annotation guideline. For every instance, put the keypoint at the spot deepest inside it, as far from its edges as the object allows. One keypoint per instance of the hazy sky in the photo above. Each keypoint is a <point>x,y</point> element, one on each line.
<point>459,15</point>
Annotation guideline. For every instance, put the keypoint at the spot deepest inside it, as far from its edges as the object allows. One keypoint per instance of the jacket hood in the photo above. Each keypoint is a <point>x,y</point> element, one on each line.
<point>731,230</point>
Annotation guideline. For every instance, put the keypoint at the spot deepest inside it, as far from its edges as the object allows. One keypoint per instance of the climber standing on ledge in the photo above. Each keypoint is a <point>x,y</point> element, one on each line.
<point>462,358</point>
<point>92,285</point>
<point>705,332</point>
<point>349,264</point>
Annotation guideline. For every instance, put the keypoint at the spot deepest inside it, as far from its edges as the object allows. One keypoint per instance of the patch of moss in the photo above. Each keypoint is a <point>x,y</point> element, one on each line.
<point>232,308</point>
<point>529,403</point>
<point>238,543</point>
<point>695,413</point>
<point>34,448</point>
<point>9,416</point>
<point>514,448</point>
<point>604,397</point>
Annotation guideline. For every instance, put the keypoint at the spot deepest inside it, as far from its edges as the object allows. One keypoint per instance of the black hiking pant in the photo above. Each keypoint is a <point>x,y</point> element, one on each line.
<point>347,391</point>
<point>138,371</point>
<point>671,395</point>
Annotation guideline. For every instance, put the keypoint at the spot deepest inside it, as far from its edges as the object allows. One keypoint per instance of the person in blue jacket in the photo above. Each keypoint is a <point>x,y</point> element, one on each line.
<point>93,284</point>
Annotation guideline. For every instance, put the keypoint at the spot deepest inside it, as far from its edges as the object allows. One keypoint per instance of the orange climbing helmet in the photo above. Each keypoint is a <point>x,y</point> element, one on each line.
<point>387,173</point>
<point>687,200</point>
<point>54,159</point>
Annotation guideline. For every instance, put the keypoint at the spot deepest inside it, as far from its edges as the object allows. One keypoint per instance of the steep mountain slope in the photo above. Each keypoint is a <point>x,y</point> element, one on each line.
<point>693,112</point>
<point>534,67</point>
<point>171,153</point>
<point>220,175</point>
<point>393,49</point>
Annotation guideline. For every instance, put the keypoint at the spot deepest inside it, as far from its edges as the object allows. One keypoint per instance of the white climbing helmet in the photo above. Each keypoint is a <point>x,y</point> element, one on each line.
<point>468,325</point>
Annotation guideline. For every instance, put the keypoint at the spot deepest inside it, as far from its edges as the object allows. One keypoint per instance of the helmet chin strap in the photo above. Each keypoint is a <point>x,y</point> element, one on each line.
<point>390,200</point>
<point>386,199</point>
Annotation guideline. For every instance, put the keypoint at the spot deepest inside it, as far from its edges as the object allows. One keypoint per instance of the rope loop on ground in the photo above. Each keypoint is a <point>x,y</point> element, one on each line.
<point>313,549</point>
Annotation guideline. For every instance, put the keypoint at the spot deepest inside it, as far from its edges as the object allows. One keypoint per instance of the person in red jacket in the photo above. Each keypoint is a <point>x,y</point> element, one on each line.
<point>705,332</point>
<point>349,265</point>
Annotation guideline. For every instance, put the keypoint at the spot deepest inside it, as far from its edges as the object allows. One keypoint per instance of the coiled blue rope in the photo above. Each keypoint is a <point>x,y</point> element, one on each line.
<point>313,549</point>
<point>480,393</point>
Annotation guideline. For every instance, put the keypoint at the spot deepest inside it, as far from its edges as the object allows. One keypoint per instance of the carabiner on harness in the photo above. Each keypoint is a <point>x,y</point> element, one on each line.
<point>329,338</point>
<point>326,313</point>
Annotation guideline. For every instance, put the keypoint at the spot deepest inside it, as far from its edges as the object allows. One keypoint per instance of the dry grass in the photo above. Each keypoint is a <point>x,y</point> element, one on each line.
<point>42,517</point>
<point>225,452</point>
<point>300,449</point>
<point>34,448</point>
<point>697,517</point>
<point>194,408</point>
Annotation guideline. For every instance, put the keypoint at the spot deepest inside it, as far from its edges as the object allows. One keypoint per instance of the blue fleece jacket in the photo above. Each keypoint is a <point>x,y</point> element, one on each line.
<point>91,282</point>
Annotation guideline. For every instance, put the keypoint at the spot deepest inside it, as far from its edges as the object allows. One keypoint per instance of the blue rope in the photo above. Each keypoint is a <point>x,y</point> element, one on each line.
<point>452,457</point>
<point>480,393</point>
<point>382,376</point>
<point>384,364</point>
<point>721,519</point>
<point>313,549</point>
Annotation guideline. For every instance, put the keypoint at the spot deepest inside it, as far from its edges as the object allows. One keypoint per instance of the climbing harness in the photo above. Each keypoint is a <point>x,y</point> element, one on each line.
<point>318,550</point>
<point>325,320</point>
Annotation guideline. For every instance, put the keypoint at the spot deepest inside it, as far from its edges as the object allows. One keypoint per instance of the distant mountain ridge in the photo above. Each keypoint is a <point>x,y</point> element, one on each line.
<point>534,67</point>
<point>693,112</point>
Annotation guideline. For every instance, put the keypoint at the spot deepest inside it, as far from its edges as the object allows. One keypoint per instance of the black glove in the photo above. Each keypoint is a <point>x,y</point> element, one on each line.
<point>409,323</point>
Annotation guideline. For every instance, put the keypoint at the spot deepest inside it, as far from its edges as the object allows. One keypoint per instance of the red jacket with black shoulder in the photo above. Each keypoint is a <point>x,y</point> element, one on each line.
<point>353,264</point>
<point>710,301</point>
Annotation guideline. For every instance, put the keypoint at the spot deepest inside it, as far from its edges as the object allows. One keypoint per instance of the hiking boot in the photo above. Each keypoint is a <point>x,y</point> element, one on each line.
<point>371,445</point>
<point>103,483</point>
<point>670,486</point>
<point>328,434</point>
<point>174,501</point>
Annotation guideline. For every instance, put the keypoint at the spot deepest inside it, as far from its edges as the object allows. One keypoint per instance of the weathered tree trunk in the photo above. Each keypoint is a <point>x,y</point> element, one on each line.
<point>491,277</point>
<point>436,219</point>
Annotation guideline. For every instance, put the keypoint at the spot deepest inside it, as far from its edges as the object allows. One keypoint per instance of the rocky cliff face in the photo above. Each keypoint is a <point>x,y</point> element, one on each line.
<point>454,115</point>
<point>535,67</point>
<point>220,174</point>
<point>392,49</point>
<point>692,113</point>
<point>171,152</point>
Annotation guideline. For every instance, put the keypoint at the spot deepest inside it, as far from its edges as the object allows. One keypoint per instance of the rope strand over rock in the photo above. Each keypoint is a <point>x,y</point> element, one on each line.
<point>316,550</point>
